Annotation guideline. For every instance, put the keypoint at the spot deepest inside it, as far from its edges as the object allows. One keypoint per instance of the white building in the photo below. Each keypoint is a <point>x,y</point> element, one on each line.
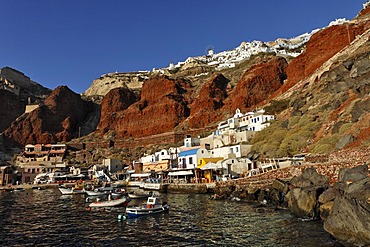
<point>238,128</point>
<point>238,166</point>
<point>235,151</point>
<point>188,159</point>
<point>112,165</point>
<point>164,154</point>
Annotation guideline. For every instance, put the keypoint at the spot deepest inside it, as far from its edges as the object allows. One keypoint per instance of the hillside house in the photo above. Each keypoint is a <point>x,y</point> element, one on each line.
<point>188,159</point>
<point>41,153</point>
<point>237,129</point>
<point>8,175</point>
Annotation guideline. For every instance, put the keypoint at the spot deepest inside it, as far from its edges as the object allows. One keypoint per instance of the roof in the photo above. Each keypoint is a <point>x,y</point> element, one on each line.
<point>188,152</point>
<point>208,160</point>
<point>180,173</point>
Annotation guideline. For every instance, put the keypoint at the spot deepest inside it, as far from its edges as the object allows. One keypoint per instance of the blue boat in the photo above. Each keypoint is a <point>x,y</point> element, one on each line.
<point>151,207</point>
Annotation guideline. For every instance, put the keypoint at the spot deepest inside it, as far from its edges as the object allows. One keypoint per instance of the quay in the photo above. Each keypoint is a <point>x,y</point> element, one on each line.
<point>28,186</point>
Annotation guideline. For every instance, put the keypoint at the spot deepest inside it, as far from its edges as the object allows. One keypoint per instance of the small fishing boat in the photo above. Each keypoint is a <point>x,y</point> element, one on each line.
<point>100,191</point>
<point>65,191</point>
<point>151,207</point>
<point>135,195</point>
<point>119,202</point>
<point>97,192</point>
<point>18,189</point>
<point>119,193</point>
<point>77,189</point>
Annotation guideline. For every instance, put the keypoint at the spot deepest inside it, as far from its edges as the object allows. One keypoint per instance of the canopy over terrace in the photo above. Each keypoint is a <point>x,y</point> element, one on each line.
<point>186,173</point>
<point>212,166</point>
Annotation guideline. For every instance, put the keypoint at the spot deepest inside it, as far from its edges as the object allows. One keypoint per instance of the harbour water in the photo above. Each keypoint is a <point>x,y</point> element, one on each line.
<point>46,218</point>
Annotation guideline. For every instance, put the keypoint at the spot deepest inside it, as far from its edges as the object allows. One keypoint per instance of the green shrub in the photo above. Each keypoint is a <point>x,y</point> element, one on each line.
<point>326,144</point>
<point>293,121</point>
<point>344,128</point>
<point>276,106</point>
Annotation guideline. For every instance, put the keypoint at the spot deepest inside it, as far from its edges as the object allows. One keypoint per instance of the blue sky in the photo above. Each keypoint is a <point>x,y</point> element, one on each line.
<point>73,42</point>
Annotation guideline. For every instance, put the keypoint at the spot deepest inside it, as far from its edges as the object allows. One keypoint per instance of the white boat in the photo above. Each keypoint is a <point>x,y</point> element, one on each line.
<point>97,192</point>
<point>120,202</point>
<point>100,191</point>
<point>70,191</point>
<point>151,207</point>
<point>119,193</point>
<point>65,191</point>
<point>77,189</point>
<point>135,195</point>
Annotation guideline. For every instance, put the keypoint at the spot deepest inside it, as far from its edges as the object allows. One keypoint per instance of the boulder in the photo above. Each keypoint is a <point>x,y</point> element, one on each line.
<point>310,177</point>
<point>306,189</point>
<point>303,201</point>
<point>346,208</point>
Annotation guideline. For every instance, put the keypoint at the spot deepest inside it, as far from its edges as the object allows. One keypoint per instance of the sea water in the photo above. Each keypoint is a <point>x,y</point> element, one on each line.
<point>46,218</point>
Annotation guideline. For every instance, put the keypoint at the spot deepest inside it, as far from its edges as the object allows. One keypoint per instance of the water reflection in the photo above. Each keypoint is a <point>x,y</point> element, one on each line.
<point>45,218</point>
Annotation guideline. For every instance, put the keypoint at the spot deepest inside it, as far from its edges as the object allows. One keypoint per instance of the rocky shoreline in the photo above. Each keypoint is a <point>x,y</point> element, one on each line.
<point>343,204</point>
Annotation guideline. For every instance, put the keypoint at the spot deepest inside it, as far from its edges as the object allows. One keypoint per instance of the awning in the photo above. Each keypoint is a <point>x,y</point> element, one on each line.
<point>212,165</point>
<point>140,175</point>
<point>180,173</point>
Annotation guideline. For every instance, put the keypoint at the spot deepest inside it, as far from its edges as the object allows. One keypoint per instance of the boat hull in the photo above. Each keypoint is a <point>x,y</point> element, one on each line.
<point>96,193</point>
<point>134,212</point>
<point>66,191</point>
<point>121,202</point>
<point>139,196</point>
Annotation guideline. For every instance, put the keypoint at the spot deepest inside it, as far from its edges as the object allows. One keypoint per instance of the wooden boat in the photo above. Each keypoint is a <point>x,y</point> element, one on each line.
<point>120,202</point>
<point>134,195</point>
<point>150,208</point>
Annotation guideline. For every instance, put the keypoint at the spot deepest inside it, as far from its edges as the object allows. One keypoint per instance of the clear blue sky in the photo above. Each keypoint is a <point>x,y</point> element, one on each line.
<point>73,42</point>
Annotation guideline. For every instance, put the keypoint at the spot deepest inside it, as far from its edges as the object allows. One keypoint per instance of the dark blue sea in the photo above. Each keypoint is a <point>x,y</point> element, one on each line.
<point>46,218</point>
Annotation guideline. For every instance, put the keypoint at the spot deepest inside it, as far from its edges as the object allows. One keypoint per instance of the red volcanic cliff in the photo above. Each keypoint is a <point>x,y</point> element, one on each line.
<point>204,109</point>
<point>161,108</point>
<point>10,109</point>
<point>113,106</point>
<point>322,46</point>
<point>257,84</point>
<point>57,120</point>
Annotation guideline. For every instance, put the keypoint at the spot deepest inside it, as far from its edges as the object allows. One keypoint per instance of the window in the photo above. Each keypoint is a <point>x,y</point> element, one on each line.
<point>190,160</point>
<point>231,150</point>
<point>236,149</point>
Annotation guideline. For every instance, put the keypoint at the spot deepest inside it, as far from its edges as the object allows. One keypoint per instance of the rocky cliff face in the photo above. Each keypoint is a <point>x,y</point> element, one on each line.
<point>258,83</point>
<point>112,108</point>
<point>206,108</point>
<point>105,83</point>
<point>322,46</point>
<point>57,120</point>
<point>322,97</point>
<point>161,108</point>
<point>9,101</point>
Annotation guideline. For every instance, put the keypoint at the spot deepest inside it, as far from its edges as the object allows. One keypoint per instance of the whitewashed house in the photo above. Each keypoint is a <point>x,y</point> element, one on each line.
<point>238,166</point>
<point>188,159</point>
<point>234,151</point>
<point>238,128</point>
